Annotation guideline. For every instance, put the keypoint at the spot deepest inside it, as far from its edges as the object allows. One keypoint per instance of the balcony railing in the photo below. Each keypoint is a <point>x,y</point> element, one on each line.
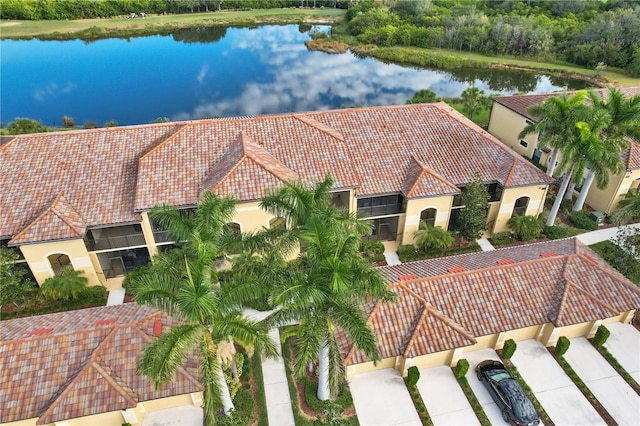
<point>117,241</point>
<point>160,236</point>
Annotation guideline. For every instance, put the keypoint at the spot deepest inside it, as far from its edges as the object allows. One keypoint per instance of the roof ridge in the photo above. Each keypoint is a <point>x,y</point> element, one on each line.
<point>610,272</point>
<point>352,350</point>
<point>249,146</point>
<point>239,139</point>
<point>320,126</point>
<point>108,373</point>
<point>180,128</point>
<point>512,171</point>
<point>436,175</point>
<point>54,209</point>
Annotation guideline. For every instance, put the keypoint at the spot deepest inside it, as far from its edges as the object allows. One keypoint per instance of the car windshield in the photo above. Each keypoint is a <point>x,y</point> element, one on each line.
<point>522,407</point>
<point>498,375</point>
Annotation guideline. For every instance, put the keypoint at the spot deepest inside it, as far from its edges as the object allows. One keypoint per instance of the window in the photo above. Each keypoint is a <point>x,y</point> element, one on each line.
<point>233,227</point>
<point>520,206</point>
<point>59,262</point>
<point>428,216</point>
<point>382,206</point>
<point>277,223</point>
<point>495,191</point>
<point>528,122</point>
<point>524,143</point>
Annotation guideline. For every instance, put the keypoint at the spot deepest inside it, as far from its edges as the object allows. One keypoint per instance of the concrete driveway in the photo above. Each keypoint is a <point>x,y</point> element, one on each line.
<point>615,395</point>
<point>484,397</point>
<point>624,345</point>
<point>561,399</point>
<point>444,399</point>
<point>381,398</point>
<point>185,415</point>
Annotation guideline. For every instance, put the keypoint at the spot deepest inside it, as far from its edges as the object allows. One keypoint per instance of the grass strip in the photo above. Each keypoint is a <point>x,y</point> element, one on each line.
<point>544,417</point>
<point>261,399</point>
<point>475,404</point>
<point>582,387</point>
<point>616,366</point>
<point>421,408</point>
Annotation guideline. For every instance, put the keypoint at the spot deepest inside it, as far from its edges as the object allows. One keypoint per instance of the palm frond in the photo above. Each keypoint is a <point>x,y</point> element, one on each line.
<point>209,364</point>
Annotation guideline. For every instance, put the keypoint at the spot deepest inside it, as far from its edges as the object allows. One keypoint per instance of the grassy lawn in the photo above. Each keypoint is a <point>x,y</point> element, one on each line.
<point>113,26</point>
<point>611,253</point>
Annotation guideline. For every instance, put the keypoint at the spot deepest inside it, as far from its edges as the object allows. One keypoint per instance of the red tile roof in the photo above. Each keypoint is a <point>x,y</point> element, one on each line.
<point>81,368</point>
<point>439,311</point>
<point>109,175</point>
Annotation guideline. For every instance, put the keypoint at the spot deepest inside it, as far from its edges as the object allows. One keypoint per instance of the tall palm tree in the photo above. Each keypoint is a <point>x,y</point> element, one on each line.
<point>628,208</point>
<point>183,283</point>
<point>557,117</point>
<point>610,139</point>
<point>432,237</point>
<point>325,288</point>
<point>473,99</point>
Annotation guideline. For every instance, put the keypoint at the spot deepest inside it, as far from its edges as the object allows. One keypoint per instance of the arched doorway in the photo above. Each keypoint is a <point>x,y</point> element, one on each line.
<point>59,262</point>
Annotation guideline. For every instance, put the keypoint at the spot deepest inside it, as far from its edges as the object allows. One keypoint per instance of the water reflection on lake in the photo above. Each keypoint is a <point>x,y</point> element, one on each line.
<point>217,72</point>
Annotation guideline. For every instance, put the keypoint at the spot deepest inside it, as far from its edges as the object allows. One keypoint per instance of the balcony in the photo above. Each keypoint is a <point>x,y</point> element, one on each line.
<point>113,238</point>
<point>381,206</point>
<point>121,262</point>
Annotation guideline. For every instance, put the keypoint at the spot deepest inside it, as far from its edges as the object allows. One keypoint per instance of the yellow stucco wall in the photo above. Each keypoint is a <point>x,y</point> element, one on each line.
<point>116,418</point>
<point>365,367</point>
<point>506,125</point>
<point>37,257</point>
<point>606,200</point>
<point>416,206</point>
<point>536,196</point>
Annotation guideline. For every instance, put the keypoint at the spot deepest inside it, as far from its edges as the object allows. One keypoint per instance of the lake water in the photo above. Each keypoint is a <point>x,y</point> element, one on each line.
<point>217,72</point>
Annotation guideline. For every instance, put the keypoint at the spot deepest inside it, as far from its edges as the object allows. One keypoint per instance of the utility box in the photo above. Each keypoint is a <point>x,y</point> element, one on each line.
<point>597,217</point>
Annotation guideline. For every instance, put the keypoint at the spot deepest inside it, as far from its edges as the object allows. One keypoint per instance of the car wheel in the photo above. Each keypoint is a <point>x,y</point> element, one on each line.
<point>505,416</point>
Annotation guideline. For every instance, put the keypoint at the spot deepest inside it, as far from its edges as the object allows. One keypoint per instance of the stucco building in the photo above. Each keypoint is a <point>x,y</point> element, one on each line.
<point>81,198</point>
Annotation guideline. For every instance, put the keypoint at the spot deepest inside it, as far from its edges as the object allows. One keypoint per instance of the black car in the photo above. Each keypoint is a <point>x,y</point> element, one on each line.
<point>516,407</point>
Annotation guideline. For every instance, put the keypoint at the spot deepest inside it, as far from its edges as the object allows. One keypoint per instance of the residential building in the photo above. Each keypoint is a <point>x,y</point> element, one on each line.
<point>457,304</point>
<point>510,115</point>
<point>79,368</point>
<point>82,198</point>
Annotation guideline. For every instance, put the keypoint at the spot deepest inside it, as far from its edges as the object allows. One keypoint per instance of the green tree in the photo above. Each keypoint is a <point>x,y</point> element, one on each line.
<point>628,208</point>
<point>525,228</point>
<point>23,126</point>
<point>13,286</point>
<point>472,221</point>
<point>432,237</point>
<point>424,96</point>
<point>473,100</point>
<point>184,284</point>
<point>556,120</point>
<point>68,122</point>
<point>69,285</point>
<point>324,289</point>
<point>612,122</point>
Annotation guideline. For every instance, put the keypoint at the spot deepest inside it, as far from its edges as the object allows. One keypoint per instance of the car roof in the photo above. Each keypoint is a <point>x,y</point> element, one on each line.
<point>520,403</point>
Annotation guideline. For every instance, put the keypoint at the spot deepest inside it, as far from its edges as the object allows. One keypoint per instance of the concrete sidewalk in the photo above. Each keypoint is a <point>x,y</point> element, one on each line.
<point>624,345</point>
<point>276,388</point>
<point>615,395</point>
<point>593,237</point>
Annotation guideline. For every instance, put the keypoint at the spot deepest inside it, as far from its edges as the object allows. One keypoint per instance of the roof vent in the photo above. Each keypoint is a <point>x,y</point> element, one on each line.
<point>40,331</point>
<point>548,254</point>
<point>407,277</point>
<point>157,328</point>
<point>456,269</point>
<point>505,261</point>
<point>106,321</point>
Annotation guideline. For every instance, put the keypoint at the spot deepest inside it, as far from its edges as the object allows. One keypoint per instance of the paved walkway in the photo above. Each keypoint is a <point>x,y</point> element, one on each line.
<point>276,388</point>
<point>624,345</point>
<point>382,398</point>
<point>485,245</point>
<point>593,237</point>
<point>116,297</point>
<point>392,258</point>
<point>615,395</point>
<point>444,398</point>
<point>561,399</point>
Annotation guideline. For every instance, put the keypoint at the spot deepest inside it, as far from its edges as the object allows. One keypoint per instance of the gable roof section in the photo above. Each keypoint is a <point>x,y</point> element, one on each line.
<point>631,156</point>
<point>421,182</point>
<point>246,168</point>
<point>59,221</point>
<point>85,365</point>
<point>560,281</point>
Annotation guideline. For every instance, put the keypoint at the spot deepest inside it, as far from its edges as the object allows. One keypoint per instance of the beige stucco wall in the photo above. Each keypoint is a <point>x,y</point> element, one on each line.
<point>36,255</point>
<point>365,367</point>
<point>536,196</point>
<point>116,418</point>
<point>416,206</point>
<point>606,200</point>
<point>506,125</point>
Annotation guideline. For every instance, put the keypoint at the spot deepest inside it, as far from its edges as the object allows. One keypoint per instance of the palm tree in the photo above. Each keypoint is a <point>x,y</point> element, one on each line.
<point>183,283</point>
<point>628,208</point>
<point>432,237</point>
<point>473,99</point>
<point>557,117</point>
<point>70,284</point>
<point>325,288</point>
<point>609,139</point>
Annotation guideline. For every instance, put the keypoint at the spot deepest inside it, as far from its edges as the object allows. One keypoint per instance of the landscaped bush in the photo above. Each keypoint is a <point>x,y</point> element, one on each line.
<point>413,375</point>
<point>525,228</point>
<point>432,238</point>
<point>582,220</point>
<point>557,232</point>
<point>373,251</point>
<point>622,261</point>
<point>562,346</point>
<point>407,252</point>
<point>502,238</point>
<point>461,368</point>
<point>509,349</point>
<point>602,334</point>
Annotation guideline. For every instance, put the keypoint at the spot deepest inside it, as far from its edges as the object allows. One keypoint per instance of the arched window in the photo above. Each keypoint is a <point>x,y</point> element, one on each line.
<point>520,206</point>
<point>59,262</point>
<point>428,216</point>
<point>233,227</point>
<point>635,184</point>
<point>277,223</point>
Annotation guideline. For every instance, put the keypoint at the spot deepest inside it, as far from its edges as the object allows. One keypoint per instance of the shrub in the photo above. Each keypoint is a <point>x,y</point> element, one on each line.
<point>432,237</point>
<point>126,424</point>
<point>557,232</point>
<point>68,122</point>
<point>407,252</point>
<point>582,220</point>
<point>501,238</point>
<point>413,375</point>
<point>372,248</point>
<point>90,124</point>
<point>112,123</point>
<point>525,228</point>
<point>562,346</point>
<point>602,334</point>
<point>461,368</point>
<point>69,285</point>
<point>509,349</point>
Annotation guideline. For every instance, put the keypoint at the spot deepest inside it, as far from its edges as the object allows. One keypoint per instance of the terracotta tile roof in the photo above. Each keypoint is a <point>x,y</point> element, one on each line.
<point>81,368</point>
<point>108,175</point>
<point>60,221</point>
<point>439,310</point>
